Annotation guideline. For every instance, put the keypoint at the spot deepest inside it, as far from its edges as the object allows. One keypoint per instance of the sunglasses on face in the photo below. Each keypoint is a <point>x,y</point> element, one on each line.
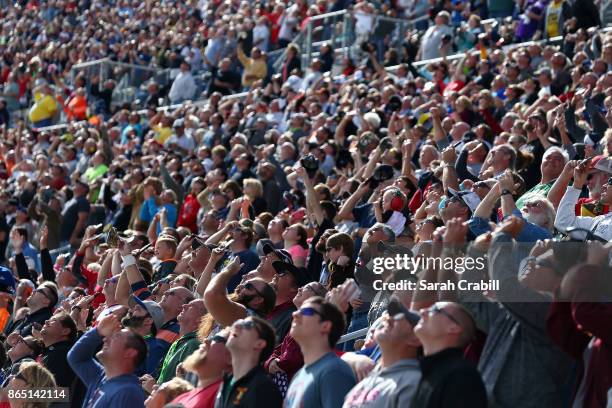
<point>435,309</point>
<point>247,325</point>
<point>42,291</point>
<point>250,286</point>
<point>481,184</point>
<point>537,204</point>
<point>19,376</point>
<point>309,311</point>
<point>218,339</point>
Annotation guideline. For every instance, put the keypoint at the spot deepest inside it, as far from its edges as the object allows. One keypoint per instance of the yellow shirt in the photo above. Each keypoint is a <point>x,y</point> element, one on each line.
<point>254,70</point>
<point>552,19</point>
<point>162,134</point>
<point>44,108</point>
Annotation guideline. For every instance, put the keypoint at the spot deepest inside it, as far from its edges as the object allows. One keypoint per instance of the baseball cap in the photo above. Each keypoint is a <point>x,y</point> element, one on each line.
<point>37,346</point>
<point>298,274</point>
<point>469,198</point>
<point>602,163</point>
<point>267,248</point>
<point>7,280</point>
<point>153,308</point>
<point>395,307</point>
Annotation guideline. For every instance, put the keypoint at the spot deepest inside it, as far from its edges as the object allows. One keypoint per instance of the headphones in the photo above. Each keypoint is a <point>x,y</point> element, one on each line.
<point>397,202</point>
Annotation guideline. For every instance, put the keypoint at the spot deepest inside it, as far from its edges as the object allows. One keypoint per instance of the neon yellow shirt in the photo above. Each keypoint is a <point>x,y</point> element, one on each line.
<point>162,134</point>
<point>44,107</point>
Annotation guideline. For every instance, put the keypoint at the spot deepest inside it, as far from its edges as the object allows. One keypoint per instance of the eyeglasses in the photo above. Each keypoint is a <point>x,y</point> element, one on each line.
<point>481,184</point>
<point>218,339</point>
<point>438,310</point>
<point>537,204</point>
<point>250,286</point>
<point>247,325</point>
<point>244,324</point>
<point>398,317</point>
<point>19,376</point>
<point>309,311</point>
<point>45,294</point>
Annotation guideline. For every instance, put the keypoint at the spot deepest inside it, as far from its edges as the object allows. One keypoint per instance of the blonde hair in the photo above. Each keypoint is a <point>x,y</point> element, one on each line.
<point>36,376</point>
<point>255,184</point>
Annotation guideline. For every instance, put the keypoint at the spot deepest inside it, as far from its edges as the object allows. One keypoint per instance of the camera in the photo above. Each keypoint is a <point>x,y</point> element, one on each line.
<point>394,104</point>
<point>344,159</point>
<point>382,173</point>
<point>111,238</point>
<point>446,39</point>
<point>311,164</point>
<point>385,143</point>
<point>367,46</point>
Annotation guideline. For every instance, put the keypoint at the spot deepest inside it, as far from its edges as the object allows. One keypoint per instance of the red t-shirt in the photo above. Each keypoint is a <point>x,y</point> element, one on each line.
<point>188,213</point>
<point>199,397</point>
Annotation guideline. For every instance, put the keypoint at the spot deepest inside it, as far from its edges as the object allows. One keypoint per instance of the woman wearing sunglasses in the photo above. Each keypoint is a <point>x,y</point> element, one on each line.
<point>31,376</point>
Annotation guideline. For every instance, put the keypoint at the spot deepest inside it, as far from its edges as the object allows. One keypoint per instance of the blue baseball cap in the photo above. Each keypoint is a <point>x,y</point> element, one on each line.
<point>7,280</point>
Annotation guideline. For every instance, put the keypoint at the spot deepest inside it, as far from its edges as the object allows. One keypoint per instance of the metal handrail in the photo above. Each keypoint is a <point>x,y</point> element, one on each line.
<point>354,335</point>
<point>394,68</point>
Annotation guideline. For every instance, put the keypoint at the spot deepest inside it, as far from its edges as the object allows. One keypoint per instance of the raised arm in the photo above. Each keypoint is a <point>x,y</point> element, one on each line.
<point>218,304</point>
<point>206,275</point>
<point>81,355</point>
<point>560,186</point>
<point>566,215</point>
<point>314,205</point>
<point>346,211</point>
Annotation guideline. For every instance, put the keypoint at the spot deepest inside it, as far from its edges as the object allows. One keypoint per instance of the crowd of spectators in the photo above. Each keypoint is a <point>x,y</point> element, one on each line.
<point>213,255</point>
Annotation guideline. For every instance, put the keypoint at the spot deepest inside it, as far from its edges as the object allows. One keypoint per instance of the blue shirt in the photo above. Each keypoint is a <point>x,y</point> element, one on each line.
<point>530,232</point>
<point>321,384</point>
<point>122,391</point>
<point>149,209</point>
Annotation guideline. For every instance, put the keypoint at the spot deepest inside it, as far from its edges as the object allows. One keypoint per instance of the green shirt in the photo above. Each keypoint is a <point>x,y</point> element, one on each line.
<point>179,351</point>
<point>94,173</point>
<point>537,191</point>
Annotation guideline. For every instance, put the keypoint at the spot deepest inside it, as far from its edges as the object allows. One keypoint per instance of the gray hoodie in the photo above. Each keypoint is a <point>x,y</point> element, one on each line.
<point>393,386</point>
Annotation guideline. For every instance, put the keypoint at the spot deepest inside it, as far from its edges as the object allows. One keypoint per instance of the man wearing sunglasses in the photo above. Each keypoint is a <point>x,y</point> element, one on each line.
<point>286,282</point>
<point>394,381</point>
<point>40,302</point>
<point>325,379</point>
<point>447,379</point>
<point>209,362</point>
<point>250,343</point>
<point>255,297</point>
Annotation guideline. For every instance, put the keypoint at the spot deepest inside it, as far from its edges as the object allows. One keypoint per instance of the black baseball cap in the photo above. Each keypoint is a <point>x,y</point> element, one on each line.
<point>395,307</point>
<point>298,274</point>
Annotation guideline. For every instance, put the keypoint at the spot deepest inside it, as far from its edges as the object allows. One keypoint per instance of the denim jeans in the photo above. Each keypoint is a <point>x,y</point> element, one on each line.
<point>359,321</point>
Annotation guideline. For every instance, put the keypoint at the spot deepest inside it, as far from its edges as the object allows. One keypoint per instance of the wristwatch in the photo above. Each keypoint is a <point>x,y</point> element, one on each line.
<point>506,191</point>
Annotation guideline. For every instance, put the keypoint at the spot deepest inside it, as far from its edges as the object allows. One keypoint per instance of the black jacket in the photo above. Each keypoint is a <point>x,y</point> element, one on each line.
<point>448,380</point>
<point>255,389</point>
<point>24,326</point>
<point>55,359</point>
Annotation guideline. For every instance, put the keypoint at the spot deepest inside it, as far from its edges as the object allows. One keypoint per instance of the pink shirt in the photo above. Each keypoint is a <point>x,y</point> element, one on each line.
<point>297,251</point>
